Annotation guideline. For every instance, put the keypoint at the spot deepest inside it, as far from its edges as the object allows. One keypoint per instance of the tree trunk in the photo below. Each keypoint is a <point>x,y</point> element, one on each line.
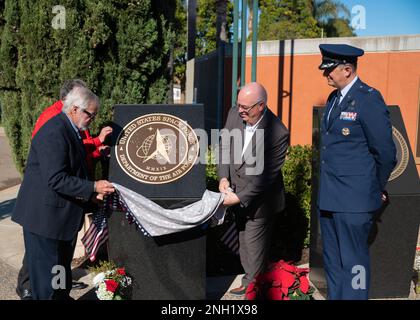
<point>221,6</point>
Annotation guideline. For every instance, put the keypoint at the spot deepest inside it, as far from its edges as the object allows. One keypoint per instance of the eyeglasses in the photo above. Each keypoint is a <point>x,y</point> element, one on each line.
<point>247,108</point>
<point>91,115</point>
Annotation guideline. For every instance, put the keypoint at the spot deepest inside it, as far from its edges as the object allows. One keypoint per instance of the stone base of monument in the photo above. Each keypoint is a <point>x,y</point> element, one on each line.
<point>163,268</point>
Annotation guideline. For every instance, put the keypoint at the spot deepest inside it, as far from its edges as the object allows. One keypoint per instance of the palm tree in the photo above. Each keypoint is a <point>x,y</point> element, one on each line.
<point>324,10</point>
<point>333,17</point>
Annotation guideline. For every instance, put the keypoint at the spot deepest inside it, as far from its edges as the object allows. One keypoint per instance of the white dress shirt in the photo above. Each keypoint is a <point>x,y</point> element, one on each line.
<point>342,93</point>
<point>249,132</point>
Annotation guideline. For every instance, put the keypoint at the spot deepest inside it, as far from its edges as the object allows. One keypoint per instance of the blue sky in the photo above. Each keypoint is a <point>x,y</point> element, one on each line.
<point>386,17</point>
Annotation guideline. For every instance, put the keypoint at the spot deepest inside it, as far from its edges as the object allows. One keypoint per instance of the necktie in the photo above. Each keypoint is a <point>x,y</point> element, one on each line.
<point>335,105</point>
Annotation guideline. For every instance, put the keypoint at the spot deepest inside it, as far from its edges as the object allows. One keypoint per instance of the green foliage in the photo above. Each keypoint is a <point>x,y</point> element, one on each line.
<point>180,43</point>
<point>121,49</point>
<point>338,28</point>
<point>212,181</point>
<point>297,19</point>
<point>206,25</point>
<point>299,295</point>
<point>297,181</point>
<point>103,266</point>
<point>287,19</point>
<point>333,18</point>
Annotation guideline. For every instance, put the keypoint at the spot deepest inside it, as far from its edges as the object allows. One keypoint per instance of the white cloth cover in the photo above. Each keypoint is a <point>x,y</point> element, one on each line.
<point>155,221</point>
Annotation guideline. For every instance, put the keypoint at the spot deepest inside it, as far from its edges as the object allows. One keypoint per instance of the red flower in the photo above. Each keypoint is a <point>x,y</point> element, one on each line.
<point>111,285</point>
<point>275,293</point>
<point>287,279</point>
<point>121,271</point>
<point>287,266</point>
<point>279,282</point>
<point>252,295</point>
<point>304,284</point>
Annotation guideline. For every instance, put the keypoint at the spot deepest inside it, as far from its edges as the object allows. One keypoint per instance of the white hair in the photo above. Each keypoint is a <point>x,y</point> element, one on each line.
<point>80,97</point>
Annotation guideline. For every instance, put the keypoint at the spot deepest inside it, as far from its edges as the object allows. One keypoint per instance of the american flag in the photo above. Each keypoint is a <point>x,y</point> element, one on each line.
<point>97,234</point>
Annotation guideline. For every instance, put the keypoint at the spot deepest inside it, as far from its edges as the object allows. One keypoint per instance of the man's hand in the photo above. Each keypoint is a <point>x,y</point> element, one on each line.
<point>104,133</point>
<point>98,199</point>
<point>224,185</point>
<point>104,187</point>
<point>230,199</point>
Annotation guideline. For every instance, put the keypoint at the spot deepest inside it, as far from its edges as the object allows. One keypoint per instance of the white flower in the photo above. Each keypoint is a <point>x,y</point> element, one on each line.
<point>417,262</point>
<point>102,293</point>
<point>98,278</point>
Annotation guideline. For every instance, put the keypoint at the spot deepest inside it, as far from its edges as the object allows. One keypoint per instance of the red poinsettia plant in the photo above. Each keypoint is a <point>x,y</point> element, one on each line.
<point>281,281</point>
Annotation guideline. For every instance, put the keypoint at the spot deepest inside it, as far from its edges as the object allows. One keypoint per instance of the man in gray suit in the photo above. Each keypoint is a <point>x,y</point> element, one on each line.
<point>252,151</point>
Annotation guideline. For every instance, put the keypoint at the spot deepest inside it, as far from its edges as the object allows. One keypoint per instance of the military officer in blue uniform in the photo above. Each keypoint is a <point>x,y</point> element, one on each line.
<point>357,157</point>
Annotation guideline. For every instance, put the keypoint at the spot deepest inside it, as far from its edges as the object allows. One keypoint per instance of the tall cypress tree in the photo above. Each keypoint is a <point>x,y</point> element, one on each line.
<point>10,93</point>
<point>120,48</point>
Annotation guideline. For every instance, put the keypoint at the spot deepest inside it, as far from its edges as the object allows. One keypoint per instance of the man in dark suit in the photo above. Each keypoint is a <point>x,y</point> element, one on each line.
<point>357,158</point>
<point>93,148</point>
<point>253,149</point>
<point>55,194</point>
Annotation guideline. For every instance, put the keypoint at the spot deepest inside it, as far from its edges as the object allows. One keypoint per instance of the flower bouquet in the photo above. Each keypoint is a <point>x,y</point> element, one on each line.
<point>112,283</point>
<point>417,269</point>
<point>282,281</point>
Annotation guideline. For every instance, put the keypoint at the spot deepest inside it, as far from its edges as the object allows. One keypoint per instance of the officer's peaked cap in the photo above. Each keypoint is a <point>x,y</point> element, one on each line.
<point>335,54</point>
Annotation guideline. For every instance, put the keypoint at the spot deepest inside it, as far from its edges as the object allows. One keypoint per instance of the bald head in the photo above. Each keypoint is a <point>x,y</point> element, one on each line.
<point>252,100</point>
<point>253,91</point>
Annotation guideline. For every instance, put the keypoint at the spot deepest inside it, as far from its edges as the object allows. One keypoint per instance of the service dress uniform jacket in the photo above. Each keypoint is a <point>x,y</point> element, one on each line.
<point>357,151</point>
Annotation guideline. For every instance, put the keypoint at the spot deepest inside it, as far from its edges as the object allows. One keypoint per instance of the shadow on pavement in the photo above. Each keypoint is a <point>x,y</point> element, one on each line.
<point>6,208</point>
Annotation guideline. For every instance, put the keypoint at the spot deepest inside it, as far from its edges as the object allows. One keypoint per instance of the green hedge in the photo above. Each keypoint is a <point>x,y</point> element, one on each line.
<point>297,173</point>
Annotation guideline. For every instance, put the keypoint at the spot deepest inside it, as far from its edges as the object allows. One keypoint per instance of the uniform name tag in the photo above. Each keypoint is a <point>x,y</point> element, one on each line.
<point>348,116</point>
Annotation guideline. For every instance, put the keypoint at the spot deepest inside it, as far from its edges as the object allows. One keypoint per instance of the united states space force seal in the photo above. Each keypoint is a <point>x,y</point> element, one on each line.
<point>157,148</point>
<point>402,154</point>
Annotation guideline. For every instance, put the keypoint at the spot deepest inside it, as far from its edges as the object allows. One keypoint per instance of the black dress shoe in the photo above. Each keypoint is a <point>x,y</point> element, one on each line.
<point>26,295</point>
<point>240,291</point>
<point>76,285</point>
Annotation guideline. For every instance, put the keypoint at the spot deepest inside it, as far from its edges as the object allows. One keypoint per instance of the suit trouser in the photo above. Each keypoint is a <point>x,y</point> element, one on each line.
<point>49,265</point>
<point>23,282</point>
<point>23,277</point>
<point>346,254</point>
<point>254,245</point>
